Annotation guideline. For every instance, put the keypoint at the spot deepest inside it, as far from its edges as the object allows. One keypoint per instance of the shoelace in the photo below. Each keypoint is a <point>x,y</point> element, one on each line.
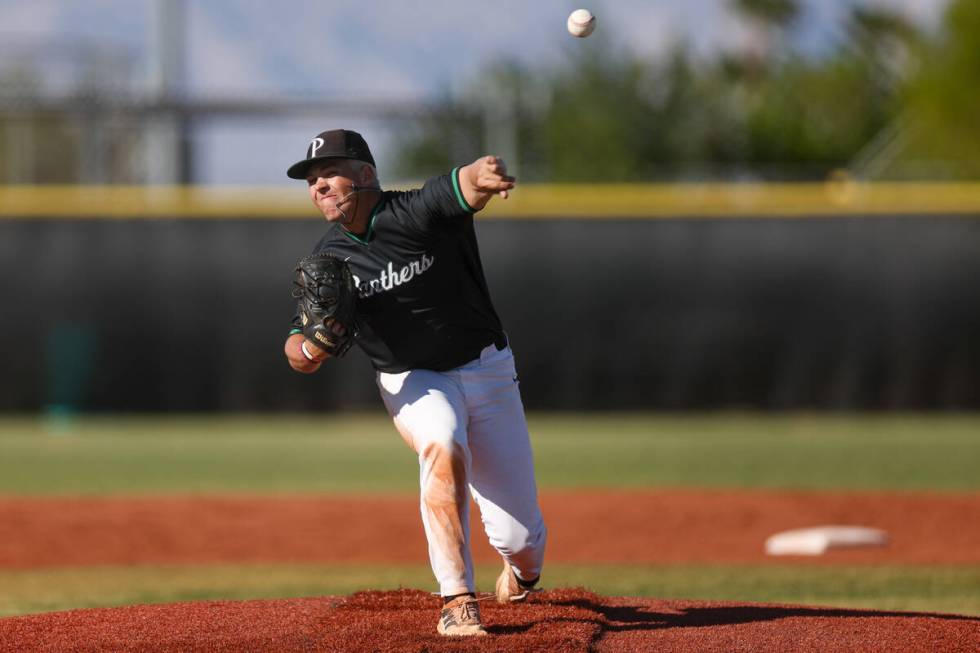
<point>491,595</point>
<point>485,597</point>
<point>471,610</point>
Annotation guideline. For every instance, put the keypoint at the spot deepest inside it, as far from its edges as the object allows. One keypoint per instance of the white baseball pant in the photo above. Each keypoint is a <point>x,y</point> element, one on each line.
<point>468,427</point>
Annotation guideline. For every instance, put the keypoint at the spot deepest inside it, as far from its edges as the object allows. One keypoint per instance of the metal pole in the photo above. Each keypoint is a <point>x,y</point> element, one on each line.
<point>166,141</point>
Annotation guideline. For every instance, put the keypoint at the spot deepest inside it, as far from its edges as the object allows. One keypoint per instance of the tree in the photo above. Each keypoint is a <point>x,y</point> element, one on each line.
<point>443,138</point>
<point>607,115</point>
<point>944,97</point>
<point>602,123</point>
<point>886,40</point>
<point>461,126</point>
<point>777,13</point>
<point>772,20</point>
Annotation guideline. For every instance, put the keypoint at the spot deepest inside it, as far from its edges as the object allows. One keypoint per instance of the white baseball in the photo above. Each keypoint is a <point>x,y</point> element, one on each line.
<point>581,22</point>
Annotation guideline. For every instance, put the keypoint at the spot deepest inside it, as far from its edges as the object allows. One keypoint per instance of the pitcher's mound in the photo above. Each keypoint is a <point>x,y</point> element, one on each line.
<point>567,620</point>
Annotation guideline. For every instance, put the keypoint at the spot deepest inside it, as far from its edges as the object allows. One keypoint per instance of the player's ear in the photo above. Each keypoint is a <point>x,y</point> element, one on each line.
<point>368,176</point>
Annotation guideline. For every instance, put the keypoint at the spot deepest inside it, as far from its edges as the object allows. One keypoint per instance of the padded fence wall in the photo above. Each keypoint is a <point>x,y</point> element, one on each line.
<point>190,314</point>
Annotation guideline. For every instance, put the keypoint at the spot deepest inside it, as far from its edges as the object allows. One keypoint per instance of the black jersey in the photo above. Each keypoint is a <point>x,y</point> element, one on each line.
<point>423,301</point>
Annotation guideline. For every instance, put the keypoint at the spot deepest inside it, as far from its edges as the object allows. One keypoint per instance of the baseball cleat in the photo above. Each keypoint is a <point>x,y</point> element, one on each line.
<point>509,587</point>
<point>461,618</point>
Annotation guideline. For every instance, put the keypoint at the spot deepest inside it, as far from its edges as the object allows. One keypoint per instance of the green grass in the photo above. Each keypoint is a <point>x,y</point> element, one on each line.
<point>362,453</point>
<point>926,589</point>
<point>204,454</point>
<point>773,451</point>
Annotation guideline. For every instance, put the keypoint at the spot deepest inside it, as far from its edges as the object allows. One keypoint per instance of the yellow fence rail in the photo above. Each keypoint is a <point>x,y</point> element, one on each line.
<point>585,201</point>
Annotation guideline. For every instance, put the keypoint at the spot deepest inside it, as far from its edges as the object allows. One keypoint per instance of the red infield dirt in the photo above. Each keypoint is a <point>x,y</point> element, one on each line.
<point>559,621</point>
<point>644,526</point>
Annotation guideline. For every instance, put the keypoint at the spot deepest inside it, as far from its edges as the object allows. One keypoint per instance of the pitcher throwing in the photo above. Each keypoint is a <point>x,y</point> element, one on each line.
<point>444,368</point>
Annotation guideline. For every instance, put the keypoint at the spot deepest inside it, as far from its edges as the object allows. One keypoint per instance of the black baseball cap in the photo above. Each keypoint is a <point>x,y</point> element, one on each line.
<point>332,144</point>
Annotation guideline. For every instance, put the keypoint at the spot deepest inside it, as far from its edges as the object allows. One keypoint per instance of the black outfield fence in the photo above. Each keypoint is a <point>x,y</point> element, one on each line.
<point>845,312</point>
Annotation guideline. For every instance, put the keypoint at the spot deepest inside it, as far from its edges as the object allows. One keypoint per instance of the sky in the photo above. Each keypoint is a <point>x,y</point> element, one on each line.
<point>371,49</point>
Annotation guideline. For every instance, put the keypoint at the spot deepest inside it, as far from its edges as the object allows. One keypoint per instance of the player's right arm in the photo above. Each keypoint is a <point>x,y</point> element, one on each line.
<point>484,178</point>
<point>464,191</point>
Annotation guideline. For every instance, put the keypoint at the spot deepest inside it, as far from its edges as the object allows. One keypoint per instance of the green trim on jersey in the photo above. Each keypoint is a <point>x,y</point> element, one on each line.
<point>294,331</point>
<point>459,193</point>
<point>370,229</point>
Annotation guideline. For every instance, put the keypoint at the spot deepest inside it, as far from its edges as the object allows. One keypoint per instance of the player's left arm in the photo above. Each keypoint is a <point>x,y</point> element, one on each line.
<point>484,178</point>
<point>298,360</point>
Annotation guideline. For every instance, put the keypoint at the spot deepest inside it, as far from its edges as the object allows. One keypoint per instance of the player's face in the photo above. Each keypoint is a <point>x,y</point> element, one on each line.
<point>330,184</point>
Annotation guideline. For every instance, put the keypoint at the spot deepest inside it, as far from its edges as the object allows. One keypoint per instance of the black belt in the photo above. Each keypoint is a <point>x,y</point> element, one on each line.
<point>500,342</point>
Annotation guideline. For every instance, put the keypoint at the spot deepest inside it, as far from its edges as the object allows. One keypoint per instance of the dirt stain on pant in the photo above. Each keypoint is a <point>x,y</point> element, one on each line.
<point>444,500</point>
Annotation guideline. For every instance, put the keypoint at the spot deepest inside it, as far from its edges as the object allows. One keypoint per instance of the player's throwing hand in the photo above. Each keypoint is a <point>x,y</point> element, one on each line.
<point>488,174</point>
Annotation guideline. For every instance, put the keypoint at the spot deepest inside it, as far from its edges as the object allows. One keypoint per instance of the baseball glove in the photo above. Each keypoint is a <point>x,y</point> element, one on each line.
<point>327,297</point>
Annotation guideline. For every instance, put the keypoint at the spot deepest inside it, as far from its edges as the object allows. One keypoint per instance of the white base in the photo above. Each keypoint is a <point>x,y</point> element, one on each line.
<point>818,540</point>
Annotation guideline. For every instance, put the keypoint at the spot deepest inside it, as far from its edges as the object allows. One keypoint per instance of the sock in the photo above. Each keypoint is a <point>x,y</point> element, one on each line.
<point>528,584</point>
<point>447,599</point>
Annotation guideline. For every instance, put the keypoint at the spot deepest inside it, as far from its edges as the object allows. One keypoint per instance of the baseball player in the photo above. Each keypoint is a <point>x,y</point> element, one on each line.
<point>443,365</point>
